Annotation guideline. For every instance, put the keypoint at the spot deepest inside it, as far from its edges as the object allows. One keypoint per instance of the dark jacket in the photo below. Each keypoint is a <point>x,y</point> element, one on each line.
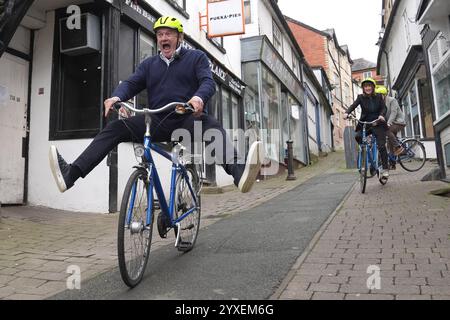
<point>187,76</point>
<point>371,107</point>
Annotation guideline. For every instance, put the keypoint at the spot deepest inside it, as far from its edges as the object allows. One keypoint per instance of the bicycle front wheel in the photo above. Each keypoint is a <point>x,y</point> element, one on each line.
<point>185,201</point>
<point>413,157</point>
<point>135,229</point>
<point>363,169</point>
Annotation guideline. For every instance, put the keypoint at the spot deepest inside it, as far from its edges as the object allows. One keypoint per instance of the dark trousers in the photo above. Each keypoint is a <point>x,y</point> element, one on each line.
<point>392,136</point>
<point>380,133</point>
<point>133,129</point>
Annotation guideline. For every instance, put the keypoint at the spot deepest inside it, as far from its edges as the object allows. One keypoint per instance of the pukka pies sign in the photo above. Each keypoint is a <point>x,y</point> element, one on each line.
<point>225,18</point>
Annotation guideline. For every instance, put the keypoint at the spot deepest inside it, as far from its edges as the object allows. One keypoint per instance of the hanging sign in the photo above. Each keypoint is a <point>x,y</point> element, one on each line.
<point>225,18</point>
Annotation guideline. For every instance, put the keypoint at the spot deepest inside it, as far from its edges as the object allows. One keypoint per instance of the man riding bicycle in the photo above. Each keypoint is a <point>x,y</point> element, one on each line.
<point>372,108</point>
<point>395,122</point>
<point>174,74</point>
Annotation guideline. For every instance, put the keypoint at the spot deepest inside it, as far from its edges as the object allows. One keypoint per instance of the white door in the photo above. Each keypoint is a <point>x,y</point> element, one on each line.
<point>13,100</point>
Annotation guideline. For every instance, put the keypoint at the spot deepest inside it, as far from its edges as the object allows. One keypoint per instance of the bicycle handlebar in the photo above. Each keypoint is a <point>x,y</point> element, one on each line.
<point>180,108</point>
<point>363,122</point>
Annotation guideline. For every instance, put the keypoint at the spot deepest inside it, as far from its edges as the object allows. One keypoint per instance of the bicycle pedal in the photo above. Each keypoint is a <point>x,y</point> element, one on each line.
<point>162,224</point>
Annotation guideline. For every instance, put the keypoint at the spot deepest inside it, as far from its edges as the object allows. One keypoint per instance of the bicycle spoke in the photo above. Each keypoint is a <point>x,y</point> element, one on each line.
<point>134,240</point>
<point>185,202</point>
<point>414,157</point>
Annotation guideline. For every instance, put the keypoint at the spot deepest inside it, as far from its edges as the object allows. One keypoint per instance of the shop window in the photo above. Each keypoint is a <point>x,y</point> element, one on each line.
<point>439,54</point>
<point>214,105</point>
<point>296,129</point>
<point>235,112</point>
<point>407,111</point>
<point>226,109</point>
<point>447,154</point>
<point>271,117</point>
<point>415,111</point>
<point>136,46</point>
<point>146,49</point>
<point>251,97</point>
<point>426,108</point>
<point>76,104</point>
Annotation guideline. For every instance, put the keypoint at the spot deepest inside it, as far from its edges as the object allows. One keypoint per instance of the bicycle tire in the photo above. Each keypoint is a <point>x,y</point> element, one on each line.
<point>190,225</point>
<point>363,170</point>
<point>414,157</point>
<point>132,266</point>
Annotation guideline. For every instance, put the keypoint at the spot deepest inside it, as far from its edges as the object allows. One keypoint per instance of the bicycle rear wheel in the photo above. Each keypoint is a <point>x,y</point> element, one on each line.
<point>134,236</point>
<point>363,169</point>
<point>185,201</point>
<point>414,156</point>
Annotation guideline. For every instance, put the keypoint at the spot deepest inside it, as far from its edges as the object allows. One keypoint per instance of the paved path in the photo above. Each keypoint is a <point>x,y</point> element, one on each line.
<point>245,256</point>
<point>38,244</point>
<point>400,229</point>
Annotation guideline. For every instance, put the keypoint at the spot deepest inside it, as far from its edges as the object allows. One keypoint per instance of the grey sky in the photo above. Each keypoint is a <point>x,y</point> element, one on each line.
<point>356,22</point>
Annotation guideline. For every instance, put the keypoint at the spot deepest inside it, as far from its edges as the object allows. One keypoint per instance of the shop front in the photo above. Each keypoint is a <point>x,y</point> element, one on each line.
<point>434,16</point>
<point>273,100</point>
<point>413,87</point>
<point>74,71</point>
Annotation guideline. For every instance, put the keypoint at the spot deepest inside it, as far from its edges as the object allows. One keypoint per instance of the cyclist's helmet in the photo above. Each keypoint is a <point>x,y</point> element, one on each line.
<point>381,90</point>
<point>168,22</point>
<point>369,80</point>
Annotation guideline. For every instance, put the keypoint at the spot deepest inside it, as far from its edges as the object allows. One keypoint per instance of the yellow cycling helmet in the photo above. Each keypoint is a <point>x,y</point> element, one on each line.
<point>168,22</point>
<point>369,80</point>
<point>382,90</point>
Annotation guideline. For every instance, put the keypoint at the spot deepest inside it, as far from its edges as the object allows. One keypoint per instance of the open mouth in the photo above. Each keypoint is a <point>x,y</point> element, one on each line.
<point>166,46</point>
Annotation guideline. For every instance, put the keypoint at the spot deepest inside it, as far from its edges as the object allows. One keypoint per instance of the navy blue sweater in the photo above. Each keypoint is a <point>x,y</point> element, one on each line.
<point>187,76</point>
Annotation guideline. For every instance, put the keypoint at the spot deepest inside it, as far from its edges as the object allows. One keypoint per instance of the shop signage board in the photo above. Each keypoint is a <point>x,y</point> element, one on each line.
<point>225,18</point>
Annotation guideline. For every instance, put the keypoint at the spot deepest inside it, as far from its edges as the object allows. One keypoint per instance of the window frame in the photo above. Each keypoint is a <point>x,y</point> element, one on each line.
<point>442,59</point>
<point>180,9</point>
<point>367,74</point>
<point>275,40</point>
<point>56,132</point>
<point>247,3</point>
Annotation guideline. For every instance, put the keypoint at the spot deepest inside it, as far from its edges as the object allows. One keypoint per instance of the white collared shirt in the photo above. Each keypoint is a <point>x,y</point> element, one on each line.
<point>168,61</point>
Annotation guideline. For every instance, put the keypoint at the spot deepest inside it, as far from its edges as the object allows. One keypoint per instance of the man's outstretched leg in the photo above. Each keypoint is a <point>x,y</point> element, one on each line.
<point>65,174</point>
<point>117,131</point>
<point>244,172</point>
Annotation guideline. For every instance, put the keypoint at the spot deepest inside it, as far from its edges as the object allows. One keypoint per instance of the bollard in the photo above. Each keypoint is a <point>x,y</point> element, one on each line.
<point>290,163</point>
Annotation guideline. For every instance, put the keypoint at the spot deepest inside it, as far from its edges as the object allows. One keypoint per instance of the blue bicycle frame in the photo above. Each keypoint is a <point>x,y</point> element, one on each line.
<point>371,150</point>
<point>155,182</point>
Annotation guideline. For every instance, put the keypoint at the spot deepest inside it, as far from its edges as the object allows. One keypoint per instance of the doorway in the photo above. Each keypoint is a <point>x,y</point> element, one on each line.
<point>13,111</point>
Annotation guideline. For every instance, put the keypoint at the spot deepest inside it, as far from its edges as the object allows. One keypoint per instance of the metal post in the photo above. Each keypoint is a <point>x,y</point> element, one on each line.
<point>291,175</point>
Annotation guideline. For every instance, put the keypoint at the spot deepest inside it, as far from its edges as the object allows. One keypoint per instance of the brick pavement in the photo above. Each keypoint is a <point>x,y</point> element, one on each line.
<point>400,228</point>
<point>38,244</point>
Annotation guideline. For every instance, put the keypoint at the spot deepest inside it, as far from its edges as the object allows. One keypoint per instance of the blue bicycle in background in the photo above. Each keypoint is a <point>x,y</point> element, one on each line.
<point>368,159</point>
<point>181,213</point>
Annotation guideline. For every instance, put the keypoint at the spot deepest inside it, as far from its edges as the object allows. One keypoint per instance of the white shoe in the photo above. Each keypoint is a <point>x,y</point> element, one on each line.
<point>252,167</point>
<point>60,169</point>
<point>384,173</point>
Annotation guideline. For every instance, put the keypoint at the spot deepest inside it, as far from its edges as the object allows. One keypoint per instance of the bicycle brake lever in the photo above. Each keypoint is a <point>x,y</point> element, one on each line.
<point>184,108</point>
